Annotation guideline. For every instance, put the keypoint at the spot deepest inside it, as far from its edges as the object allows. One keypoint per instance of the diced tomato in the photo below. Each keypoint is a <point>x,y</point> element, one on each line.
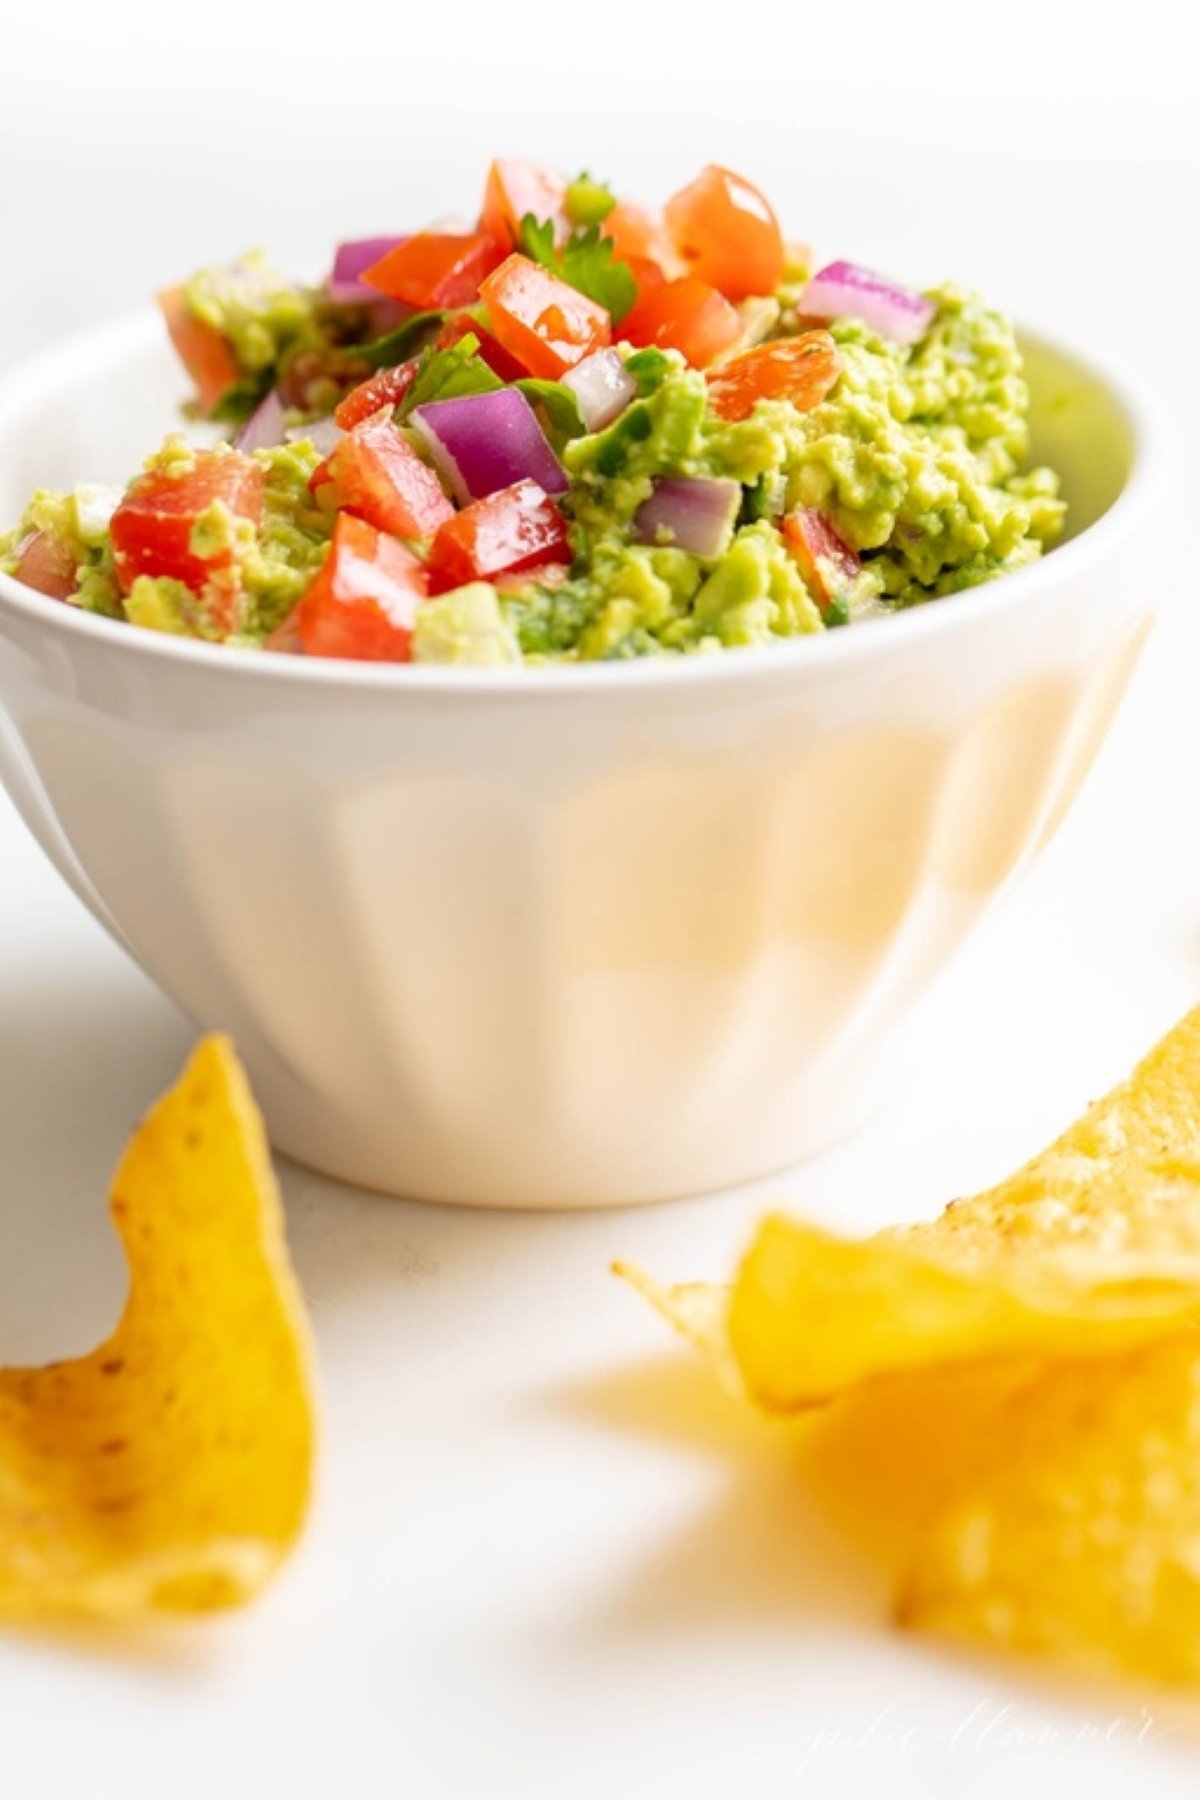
<point>545,324</point>
<point>830,568</point>
<point>515,529</point>
<point>202,350</point>
<point>491,351</point>
<point>800,369</point>
<point>648,274</point>
<point>364,599</point>
<point>635,231</point>
<point>377,475</point>
<point>47,562</point>
<point>726,232</point>
<point>387,388</point>
<point>517,188</point>
<point>436,269</point>
<point>685,315</point>
<point>152,527</point>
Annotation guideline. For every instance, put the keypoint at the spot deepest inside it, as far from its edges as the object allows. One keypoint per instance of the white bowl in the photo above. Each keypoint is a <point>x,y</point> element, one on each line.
<point>570,936</point>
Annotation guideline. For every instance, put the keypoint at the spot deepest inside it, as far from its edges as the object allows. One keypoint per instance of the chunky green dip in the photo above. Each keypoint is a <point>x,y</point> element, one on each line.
<point>903,479</point>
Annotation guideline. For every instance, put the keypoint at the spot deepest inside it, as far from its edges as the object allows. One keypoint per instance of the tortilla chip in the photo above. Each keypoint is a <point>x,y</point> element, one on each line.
<point>1016,1427</point>
<point>1092,1248</point>
<point>812,1314</point>
<point>1078,1534</point>
<point>170,1470</point>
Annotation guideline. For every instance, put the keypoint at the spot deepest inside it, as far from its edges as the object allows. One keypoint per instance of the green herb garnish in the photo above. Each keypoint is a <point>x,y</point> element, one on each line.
<point>585,262</point>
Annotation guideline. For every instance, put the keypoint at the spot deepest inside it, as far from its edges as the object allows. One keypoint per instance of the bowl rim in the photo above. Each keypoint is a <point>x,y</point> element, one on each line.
<point>1152,457</point>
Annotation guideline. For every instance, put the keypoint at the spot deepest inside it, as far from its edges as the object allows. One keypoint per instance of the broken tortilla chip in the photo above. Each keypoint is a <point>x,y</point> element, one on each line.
<point>1007,1400</point>
<point>170,1470</point>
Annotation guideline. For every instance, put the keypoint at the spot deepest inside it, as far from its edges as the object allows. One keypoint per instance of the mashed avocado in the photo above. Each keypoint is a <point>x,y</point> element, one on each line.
<point>915,458</point>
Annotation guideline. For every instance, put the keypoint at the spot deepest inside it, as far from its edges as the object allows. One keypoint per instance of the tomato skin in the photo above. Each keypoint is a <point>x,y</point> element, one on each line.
<point>387,388</point>
<point>47,562</point>
<point>152,527</point>
<point>513,530</point>
<point>545,324</point>
<point>800,369</point>
<point>516,188</point>
<point>726,232</point>
<point>830,568</point>
<point>491,351</point>
<point>685,315</point>
<point>649,276</point>
<point>363,601</point>
<point>376,474</point>
<point>436,269</point>
<point>200,347</point>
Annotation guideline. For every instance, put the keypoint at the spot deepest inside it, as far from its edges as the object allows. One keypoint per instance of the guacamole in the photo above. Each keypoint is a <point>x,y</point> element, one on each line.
<point>575,433</point>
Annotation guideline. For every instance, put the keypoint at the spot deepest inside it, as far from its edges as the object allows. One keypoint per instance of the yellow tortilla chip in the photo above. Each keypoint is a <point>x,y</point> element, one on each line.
<point>1017,1385</point>
<point>1092,1248</point>
<point>170,1470</point>
<point>1078,1533</point>
<point>812,1314</point>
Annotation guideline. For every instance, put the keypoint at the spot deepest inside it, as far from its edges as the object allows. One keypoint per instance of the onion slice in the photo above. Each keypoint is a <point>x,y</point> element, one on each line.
<point>349,261</point>
<point>603,387</point>
<point>847,290</point>
<point>323,434</point>
<point>265,426</point>
<point>484,442</point>
<point>693,514</point>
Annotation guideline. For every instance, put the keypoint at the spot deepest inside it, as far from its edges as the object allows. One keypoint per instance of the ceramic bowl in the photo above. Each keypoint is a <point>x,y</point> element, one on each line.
<point>572,936</point>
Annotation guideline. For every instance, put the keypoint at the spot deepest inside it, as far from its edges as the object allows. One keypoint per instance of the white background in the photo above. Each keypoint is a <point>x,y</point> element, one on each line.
<point>548,1559</point>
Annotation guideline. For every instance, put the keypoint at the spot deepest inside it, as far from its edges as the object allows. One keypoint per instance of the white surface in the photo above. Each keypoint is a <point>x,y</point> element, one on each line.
<point>547,1560</point>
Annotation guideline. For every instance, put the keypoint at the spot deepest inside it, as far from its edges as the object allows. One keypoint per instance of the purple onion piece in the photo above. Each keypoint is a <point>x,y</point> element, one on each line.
<point>603,387</point>
<point>323,434</point>
<point>349,260</point>
<point>265,426</point>
<point>695,515</point>
<point>847,290</point>
<point>484,442</point>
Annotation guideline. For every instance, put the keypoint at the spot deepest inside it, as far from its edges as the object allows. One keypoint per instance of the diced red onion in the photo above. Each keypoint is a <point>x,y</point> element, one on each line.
<point>694,514</point>
<point>265,426</point>
<point>484,442</point>
<point>844,289</point>
<point>603,387</point>
<point>349,261</point>
<point>323,434</point>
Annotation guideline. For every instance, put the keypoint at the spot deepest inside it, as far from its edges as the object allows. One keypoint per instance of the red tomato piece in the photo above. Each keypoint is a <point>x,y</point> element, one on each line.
<point>636,232</point>
<point>830,568</point>
<point>47,562</point>
<point>517,188</point>
<point>491,351</point>
<point>685,315</point>
<point>377,475</point>
<point>364,599</point>
<point>204,353</point>
<point>515,529</point>
<point>152,527</point>
<point>726,232</point>
<point>800,369</point>
<point>387,388</point>
<point>436,269</point>
<point>545,324</point>
<point>649,276</point>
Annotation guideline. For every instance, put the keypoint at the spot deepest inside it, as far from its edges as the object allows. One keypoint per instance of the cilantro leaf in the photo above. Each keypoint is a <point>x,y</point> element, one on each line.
<point>449,375</point>
<point>559,404</point>
<point>397,345</point>
<point>585,262</point>
<point>588,202</point>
